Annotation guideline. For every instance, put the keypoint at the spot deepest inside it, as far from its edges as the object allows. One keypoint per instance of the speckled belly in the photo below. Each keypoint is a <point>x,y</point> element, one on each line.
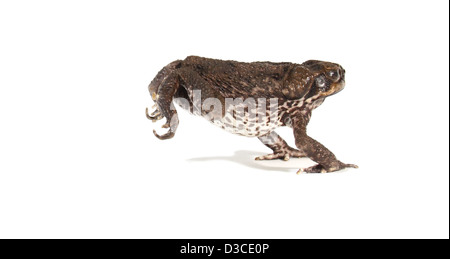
<point>250,117</point>
<point>250,124</point>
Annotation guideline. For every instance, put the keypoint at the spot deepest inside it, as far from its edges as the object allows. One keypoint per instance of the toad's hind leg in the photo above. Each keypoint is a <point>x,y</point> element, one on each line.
<point>161,76</point>
<point>155,115</point>
<point>281,150</point>
<point>165,108</point>
<point>154,88</point>
<point>172,86</point>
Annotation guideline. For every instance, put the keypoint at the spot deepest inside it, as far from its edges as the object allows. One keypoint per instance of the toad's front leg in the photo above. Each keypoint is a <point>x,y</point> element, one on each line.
<point>281,150</point>
<point>326,160</point>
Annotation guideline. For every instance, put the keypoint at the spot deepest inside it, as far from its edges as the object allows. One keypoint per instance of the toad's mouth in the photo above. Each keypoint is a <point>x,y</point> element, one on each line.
<point>339,86</point>
<point>334,88</point>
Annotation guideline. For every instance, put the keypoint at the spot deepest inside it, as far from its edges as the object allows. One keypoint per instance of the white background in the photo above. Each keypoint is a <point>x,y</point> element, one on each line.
<point>78,158</point>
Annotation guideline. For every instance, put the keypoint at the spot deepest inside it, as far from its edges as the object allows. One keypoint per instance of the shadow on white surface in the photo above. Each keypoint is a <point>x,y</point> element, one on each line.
<point>247,158</point>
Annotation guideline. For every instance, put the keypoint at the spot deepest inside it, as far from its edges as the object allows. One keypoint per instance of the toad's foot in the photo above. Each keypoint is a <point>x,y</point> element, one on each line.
<point>167,135</point>
<point>321,169</point>
<point>285,154</point>
<point>171,125</point>
<point>155,116</point>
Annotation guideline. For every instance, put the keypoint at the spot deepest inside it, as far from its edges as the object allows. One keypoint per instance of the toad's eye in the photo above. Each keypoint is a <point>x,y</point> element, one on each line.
<point>320,82</point>
<point>333,75</point>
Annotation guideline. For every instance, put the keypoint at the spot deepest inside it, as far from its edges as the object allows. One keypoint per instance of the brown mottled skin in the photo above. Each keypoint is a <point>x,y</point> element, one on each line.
<point>299,88</point>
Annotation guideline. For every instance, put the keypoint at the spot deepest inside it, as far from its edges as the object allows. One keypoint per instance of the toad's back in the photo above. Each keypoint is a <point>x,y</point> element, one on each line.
<point>239,79</point>
<point>250,95</point>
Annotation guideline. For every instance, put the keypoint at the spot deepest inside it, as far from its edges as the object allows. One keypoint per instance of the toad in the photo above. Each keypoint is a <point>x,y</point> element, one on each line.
<point>251,99</point>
